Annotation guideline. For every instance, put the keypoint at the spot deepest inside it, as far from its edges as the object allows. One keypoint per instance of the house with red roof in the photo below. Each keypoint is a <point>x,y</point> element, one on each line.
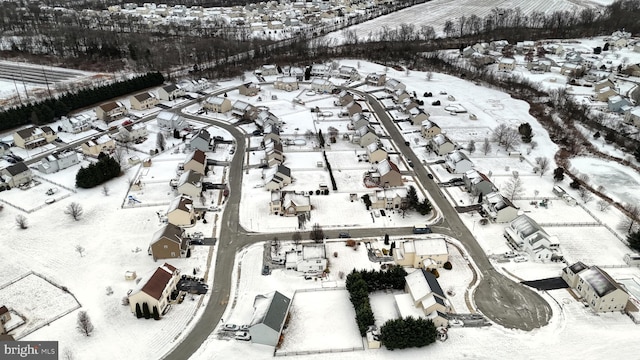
<point>155,290</point>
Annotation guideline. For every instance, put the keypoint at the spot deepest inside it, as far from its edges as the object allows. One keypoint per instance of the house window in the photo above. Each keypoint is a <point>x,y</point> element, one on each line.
<point>173,254</point>
<point>166,246</point>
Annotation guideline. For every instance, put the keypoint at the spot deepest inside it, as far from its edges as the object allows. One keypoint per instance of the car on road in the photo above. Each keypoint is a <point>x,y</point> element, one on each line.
<point>256,133</point>
<point>344,235</point>
<point>232,151</point>
<point>406,143</point>
<point>410,163</point>
<point>244,327</point>
<point>230,327</point>
<point>439,161</point>
<point>242,335</point>
<point>266,270</point>
<point>430,176</point>
<point>520,259</point>
<point>382,213</point>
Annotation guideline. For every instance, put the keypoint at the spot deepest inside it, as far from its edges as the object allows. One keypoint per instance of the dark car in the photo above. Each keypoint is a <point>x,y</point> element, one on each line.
<point>257,132</point>
<point>196,242</point>
<point>344,235</point>
<point>266,270</point>
<point>410,163</point>
<point>439,162</point>
<point>430,176</point>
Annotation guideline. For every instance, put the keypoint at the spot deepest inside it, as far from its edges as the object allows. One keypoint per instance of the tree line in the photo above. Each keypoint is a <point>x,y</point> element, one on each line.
<point>46,111</point>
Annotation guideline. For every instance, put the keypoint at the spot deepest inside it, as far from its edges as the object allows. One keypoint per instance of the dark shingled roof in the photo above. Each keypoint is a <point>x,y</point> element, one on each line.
<point>158,281</point>
<point>433,283</point>
<point>16,169</point>
<point>277,312</point>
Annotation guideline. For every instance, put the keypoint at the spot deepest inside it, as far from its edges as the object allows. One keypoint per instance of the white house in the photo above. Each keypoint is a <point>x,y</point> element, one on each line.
<point>422,253</point>
<point>424,298</point>
<point>526,234</point>
<point>596,287</point>
<point>286,83</point>
<point>171,121</point>
<point>190,183</point>
<point>499,208</point>
<point>507,64</point>
<point>457,162</point>
<point>311,258</point>
<point>269,315</point>
<point>155,290</point>
<point>477,183</point>
<point>322,85</point>
<point>170,92</point>
<point>57,161</point>
<point>76,124</point>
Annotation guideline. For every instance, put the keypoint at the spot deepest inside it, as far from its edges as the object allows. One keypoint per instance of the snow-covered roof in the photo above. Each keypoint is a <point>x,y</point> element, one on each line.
<point>430,247</point>
<point>313,252</point>
<point>599,280</point>
<point>525,226</point>
<point>271,310</point>
<point>181,202</point>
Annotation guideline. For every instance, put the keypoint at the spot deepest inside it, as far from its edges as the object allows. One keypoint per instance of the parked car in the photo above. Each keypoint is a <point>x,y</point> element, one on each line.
<point>230,327</point>
<point>242,335</point>
<point>257,133</point>
<point>344,235</point>
<point>440,161</point>
<point>196,242</point>
<point>430,176</point>
<point>266,270</point>
<point>510,254</point>
<point>520,259</point>
<point>410,163</point>
<point>244,327</point>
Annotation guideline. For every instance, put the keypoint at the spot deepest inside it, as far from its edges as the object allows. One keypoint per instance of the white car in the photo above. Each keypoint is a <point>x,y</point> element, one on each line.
<point>230,327</point>
<point>242,335</point>
<point>520,259</point>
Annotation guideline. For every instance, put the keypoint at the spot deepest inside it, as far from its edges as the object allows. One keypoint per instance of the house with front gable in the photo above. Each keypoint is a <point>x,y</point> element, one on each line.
<point>171,121</point>
<point>375,79</point>
<point>132,132</point>
<point>276,177</point>
<point>344,98</point>
<point>322,86</point>
<point>423,298</point>
<point>605,93</point>
<point>155,290</point>
<point>274,154</point>
<point>181,211</point>
<point>244,110</point>
<point>348,72</point>
<point>632,116</point>
<point>265,118</point>
<point>111,111</point>
<point>571,69</point>
<point>196,161</point>
<point>354,108</point>
<point>269,316</point>
<point>440,144</point>
<point>201,141</point>
<point>358,120</point>
<point>365,135</point>
<point>309,258</point>
<point>392,86</point>
<point>618,104</point>
<point>526,234</point>
<point>76,124</point>
<point>268,70</point>
<point>507,64</point>
<point>389,198</point>
<point>33,137</point>
<point>418,116</point>
<point>190,183</point>
<point>375,153</point>
<point>97,145</point>
<point>388,175</point>
<point>289,203</point>
<point>57,161</point>
<point>429,129</point>
<point>170,242</point>
<point>217,104</point>
<point>271,132</point>
<point>596,287</point>
<point>457,162</point>
<point>400,95</point>
<point>408,104</point>
<point>604,83</point>
<point>170,92</point>
<point>478,183</point>
<point>320,70</point>
<point>16,174</point>
<point>248,89</point>
<point>143,101</point>
<point>428,254</point>
<point>286,83</point>
<point>499,208</point>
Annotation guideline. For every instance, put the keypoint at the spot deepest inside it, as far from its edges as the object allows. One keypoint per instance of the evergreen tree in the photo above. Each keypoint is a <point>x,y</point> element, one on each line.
<point>636,153</point>
<point>412,197</point>
<point>138,311</point>
<point>386,239</point>
<point>634,240</point>
<point>156,314</point>
<point>610,137</point>
<point>558,174</point>
<point>525,132</point>
<point>145,310</point>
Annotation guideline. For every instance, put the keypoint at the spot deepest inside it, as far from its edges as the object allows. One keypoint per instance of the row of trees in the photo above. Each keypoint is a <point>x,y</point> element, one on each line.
<point>422,207</point>
<point>106,168</point>
<point>407,332</point>
<point>48,110</point>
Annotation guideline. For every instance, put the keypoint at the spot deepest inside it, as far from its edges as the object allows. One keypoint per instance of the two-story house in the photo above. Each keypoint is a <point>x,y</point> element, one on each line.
<point>111,111</point>
<point>499,208</point>
<point>154,291</point>
<point>596,287</point>
<point>57,161</point>
<point>143,101</point>
<point>526,234</point>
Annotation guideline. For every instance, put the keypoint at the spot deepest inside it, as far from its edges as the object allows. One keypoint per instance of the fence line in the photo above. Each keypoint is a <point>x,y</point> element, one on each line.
<point>320,289</point>
<point>55,183</point>
<point>16,279</point>
<point>323,351</point>
<point>570,224</point>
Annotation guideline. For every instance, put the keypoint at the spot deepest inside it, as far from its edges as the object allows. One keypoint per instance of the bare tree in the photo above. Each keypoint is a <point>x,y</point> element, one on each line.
<point>471,146</point>
<point>630,222</point>
<point>543,165</point>
<point>74,210</point>
<point>429,76</point>
<point>67,354</point>
<point>296,237</point>
<point>500,132</point>
<point>316,234</point>
<point>21,221</point>
<point>161,142</point>
<point>603,205</point>
<point>514,187</point>
<point>510,139</point>
<point>486,146</point>
<point>84,324</point>
<point>584,194</point>
<point>118,155</point>
<point>105,190</point>
<point>80,250</point>
<point>276,245</point>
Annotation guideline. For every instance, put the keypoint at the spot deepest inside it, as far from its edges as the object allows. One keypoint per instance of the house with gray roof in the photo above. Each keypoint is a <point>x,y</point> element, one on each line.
<point>618,104</point>
<point>269,314</point>
<point>201,141</point>
<point>595,287</point>
<point>344,98</point>
<point>526,234</point>
<point>57,161</point>
<point>16,174</point>
<point>477,183</point>
<point>170,92</point>
<point>440,144</point>
<point>190,183</point>
<point>499,208</point>
<point>244,110</point>
<point>217,104</point>
<point>171,121</point>
<point>457,162</point>
<point>423,298</point>
<point>276,177</point>
<point>76,124</point>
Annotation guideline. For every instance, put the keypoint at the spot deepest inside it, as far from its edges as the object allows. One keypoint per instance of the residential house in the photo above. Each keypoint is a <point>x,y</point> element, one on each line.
<point>271,132</point>
<point>268,70</point>
<point>389,199</point>
<point>633,70</point>
<point>354,108</point>
<point>605,93</point>
<point>4,148</point>
<point>348,72</point>
<point>270,313</point>
<point>440,144</point>
<point>618,104</point>
<point>322,85</point>
<point>194,85</point>
<point>429,129</point>
<point>276,177</point>
<point>526,234</point>
<point>539,66</point>
<point>16,174</point>
<point>155,290</point>
<point>265,119</point>
<point>400,95</point>
<point>424,298</point>
<point>357,121</point>
<point>143,101</point>
<point>507,64</point>
<point>33,137</point>
<point>297,73</point>
<point>289,203</point>
<point>111,111</point>
<point>571,69</point>
<point>344,98</point>
<point>196,161</point>
<point>274,154</point>
<point>365,135</point>
<point>499,208</point>
<point>320,70</point>
<point>375,153</point>
<point>596,287</point>
<point>422,253</point>
<point>248,89</point>
<point>169,242</point>
<point>393,85</point>
<point>201,141</point>
<point>132,132</point>
<point>75,124</point>
<point>388,174</point>
<point>468,51</point>
<point>457,162</point>
<point>171,121</point>
<point>170,92</point>
<point>244,110</point>
<point>478,183</point>
<point>311,259</point>
<point>181,211</point>
<point>217,104</point>
<point>375,79</point>
<point>632,116</point>
<point>409,105</point>
<point>190,183</point>
<point>97,145</point>
<point>418,116</point>
<point>57,161</point>
<point>286,83</point>
<point>604,83</point>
